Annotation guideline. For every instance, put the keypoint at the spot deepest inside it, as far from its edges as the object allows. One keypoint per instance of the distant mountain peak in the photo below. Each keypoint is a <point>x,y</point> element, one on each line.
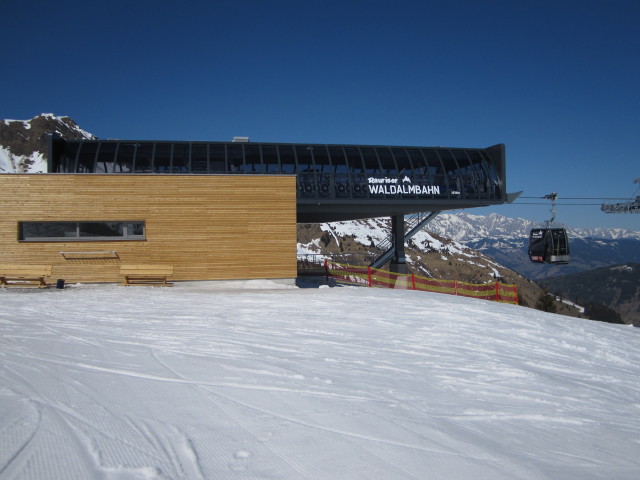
<point>505,239</point>
<point>465,227</point>
<point>23,143</point>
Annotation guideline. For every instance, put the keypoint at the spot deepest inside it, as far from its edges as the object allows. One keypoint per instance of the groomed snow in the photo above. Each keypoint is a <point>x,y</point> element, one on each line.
<point>255,380</point>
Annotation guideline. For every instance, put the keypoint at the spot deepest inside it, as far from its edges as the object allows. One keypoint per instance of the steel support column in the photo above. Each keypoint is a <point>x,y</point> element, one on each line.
<point>398,259</point>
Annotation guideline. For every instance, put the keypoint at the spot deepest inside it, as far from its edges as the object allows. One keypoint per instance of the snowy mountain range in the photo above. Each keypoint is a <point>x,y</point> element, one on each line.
<point>466,228</point>
<point>505,239</point>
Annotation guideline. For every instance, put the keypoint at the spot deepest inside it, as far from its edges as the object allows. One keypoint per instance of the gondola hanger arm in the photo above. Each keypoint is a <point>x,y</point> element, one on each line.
<point>552,196</point>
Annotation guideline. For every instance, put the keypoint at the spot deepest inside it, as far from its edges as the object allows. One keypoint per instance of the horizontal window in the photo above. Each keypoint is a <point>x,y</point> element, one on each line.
<point>80,231</point>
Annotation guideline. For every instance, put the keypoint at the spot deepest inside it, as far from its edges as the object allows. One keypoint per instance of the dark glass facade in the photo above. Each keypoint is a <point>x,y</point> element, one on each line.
<point>334,182</point>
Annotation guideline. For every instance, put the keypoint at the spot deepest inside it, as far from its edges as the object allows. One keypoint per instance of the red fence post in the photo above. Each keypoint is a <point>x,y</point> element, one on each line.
<point>326,270</point>
<point>369,276</point>
<point>413,281</point>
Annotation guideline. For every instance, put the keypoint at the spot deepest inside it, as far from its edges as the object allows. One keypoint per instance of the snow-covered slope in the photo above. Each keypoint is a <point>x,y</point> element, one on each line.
<point>256,381</point>
<point>361,241</point>
<point>358,242</point>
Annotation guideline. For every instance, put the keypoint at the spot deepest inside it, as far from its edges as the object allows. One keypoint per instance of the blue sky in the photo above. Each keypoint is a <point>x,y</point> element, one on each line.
<point>556,81</point>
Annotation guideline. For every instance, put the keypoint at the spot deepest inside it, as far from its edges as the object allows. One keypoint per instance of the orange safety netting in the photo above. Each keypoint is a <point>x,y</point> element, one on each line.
<point>372,277</point>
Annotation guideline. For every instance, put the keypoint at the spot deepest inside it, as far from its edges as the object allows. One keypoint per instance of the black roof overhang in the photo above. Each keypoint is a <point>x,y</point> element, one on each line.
<point>311,211</point>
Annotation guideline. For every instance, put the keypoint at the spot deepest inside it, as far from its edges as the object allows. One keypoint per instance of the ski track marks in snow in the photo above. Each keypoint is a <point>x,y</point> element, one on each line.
<point>273,382</point>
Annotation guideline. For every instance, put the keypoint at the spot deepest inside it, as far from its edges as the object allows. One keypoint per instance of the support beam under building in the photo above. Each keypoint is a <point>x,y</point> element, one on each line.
<point>398,258</point>
<point>395,244</point>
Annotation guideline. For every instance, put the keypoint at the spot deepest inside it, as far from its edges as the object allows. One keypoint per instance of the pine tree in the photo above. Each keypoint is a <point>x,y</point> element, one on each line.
<point>602,313</point>
<point>546,302</point>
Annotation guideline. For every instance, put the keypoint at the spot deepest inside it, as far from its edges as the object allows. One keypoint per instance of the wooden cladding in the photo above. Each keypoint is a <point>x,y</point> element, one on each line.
<point>209,227</point>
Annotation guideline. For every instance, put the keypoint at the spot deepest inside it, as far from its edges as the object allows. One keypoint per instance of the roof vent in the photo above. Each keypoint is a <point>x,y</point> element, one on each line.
<point>240,139</point>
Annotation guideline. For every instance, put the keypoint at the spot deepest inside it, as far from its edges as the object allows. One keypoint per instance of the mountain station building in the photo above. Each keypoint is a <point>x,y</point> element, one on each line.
<point>225,210</point>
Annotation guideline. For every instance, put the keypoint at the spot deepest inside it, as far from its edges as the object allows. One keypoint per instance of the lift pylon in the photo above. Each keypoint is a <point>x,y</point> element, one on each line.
<point>631,206</point>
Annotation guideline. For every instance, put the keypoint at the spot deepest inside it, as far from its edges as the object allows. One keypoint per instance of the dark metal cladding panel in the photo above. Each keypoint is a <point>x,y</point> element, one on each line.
<point>333,181</point>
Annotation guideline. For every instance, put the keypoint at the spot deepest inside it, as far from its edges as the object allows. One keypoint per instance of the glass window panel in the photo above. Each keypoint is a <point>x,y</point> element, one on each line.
<point>448,160</point>
<point>468,178</point>
<point>87,158</point>
<point>493,179</point>
<point>386,161</point>
<point>402,160</point>
<point>453,175</point>
<point>252,159</point>
<point>48,229</point>
<point>217,159</point>
<point>68,158</point>
<point>474,157</point>
<point>321,158</point>
<point>199,158</point>
<point>180,162</point>
<point>101,229</point>
<point>371,164</point>
<point>435,172</point>
<point>477,164</point>
<point>417,160</point>
<point>124,159</point>
<point>433,162</point>
<point>162,158</point>
<point>461,157</point>
<point>144,153</point>
<point>338,159</point>
<point>287,160</point>
<point>493,174</point>
<point>135,229</point>
<point>106,157</point>
<point>324,178</point>
<point>354,159</point>
<point>306,171</point>
<point>305,161</point>
<point>270,158</point>
<point>235,158</point>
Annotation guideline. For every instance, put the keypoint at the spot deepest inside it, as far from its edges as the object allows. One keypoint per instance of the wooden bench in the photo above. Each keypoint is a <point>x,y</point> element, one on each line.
<point>24,275</point>
<point>146,275</point>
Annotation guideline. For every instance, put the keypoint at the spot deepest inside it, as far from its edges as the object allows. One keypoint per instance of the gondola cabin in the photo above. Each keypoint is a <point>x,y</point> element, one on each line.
<point>549,245</point>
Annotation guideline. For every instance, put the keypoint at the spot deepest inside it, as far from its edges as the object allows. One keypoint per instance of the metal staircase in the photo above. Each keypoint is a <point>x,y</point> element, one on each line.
<point>413,224</point>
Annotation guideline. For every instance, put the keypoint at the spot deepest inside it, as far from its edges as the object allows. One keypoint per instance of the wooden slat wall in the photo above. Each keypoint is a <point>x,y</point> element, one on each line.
<point>207,227</point>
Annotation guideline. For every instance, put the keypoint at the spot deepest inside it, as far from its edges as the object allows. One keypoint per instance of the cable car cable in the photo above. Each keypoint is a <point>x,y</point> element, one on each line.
<point>580,198</point>
<point>563,204</point>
